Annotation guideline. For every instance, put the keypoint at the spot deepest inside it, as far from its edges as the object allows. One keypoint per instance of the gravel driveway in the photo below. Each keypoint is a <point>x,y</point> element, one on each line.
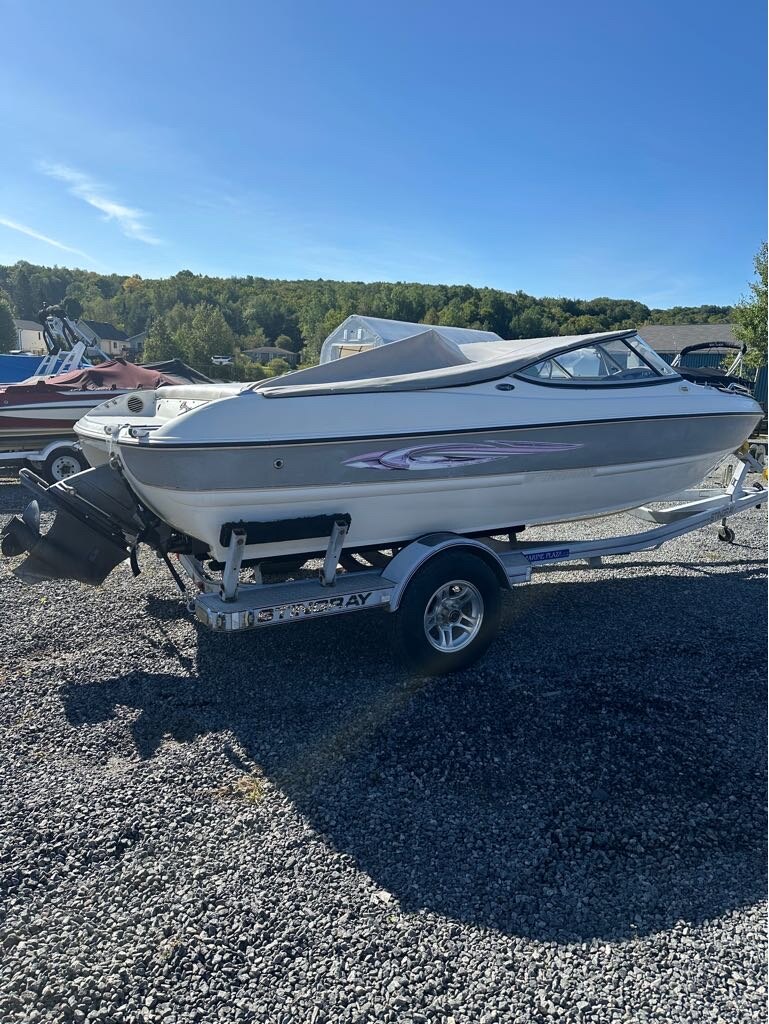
<point>284,826</point>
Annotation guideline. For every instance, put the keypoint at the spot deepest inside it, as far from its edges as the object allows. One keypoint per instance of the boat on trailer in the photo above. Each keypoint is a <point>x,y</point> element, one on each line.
<point>67,348</point>
<point>410,456</point>
<point>468,440</point>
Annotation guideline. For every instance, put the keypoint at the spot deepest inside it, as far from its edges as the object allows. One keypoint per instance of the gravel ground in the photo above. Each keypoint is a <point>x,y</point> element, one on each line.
<point>284,826</point>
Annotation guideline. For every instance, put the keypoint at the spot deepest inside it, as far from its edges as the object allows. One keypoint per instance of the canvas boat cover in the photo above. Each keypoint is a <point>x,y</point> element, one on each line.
<point>424,351</point>
<point>114,375</point>
<point>423,362</point>
<point>179,369</point>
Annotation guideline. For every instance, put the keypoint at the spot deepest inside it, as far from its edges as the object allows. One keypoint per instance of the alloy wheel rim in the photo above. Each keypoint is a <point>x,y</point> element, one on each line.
<point>453,616</point>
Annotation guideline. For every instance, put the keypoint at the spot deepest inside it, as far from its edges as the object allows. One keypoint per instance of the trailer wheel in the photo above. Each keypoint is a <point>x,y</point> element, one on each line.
<point>63,462</point>
<point>726,534</point>
<point>448,615</point>
<point>758,451</point>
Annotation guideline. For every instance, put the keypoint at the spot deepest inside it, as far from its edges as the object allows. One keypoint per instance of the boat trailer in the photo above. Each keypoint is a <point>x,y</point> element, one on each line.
<point>443,588</point>
<point>55,461</point>
<point>231,605</point>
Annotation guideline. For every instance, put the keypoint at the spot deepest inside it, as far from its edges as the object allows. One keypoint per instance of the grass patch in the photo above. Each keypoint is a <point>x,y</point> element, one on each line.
<point>248,788</point>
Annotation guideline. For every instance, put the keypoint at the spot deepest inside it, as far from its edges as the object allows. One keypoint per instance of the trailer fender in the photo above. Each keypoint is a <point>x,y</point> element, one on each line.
<point>414,556</point>
<point>53,446</point>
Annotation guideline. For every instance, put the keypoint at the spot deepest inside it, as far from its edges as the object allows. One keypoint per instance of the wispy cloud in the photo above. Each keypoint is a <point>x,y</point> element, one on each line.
<point>24,230</point>
<point>130,220</point>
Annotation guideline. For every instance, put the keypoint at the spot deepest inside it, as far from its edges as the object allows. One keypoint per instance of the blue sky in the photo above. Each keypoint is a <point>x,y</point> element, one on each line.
<point>579,149</point>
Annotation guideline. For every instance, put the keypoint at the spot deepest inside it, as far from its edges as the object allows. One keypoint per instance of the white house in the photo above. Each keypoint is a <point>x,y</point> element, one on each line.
<point>359,333</point>
<point>110,339</point>
<point>30,337</point>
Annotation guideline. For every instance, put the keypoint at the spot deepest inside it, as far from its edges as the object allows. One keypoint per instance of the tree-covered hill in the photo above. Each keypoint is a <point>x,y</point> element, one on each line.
<point>245,312</point>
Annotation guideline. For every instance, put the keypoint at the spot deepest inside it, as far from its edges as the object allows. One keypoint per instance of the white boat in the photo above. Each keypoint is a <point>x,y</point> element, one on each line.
<point>409,439</point>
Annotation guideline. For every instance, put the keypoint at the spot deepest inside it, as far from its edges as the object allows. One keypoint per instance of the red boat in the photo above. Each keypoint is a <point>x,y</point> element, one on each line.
<point>32,413</point>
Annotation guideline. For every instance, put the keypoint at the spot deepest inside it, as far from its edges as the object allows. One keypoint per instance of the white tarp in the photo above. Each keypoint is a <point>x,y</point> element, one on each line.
<point>372,331</point>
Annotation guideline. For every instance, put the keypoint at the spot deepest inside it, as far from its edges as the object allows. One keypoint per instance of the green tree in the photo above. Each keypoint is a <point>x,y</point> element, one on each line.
<point>73,307</point>
<point>750,313</point>
<point>277,367</point>
<point>254,309</point>
<point>208,335</point>
<point>582,325</point>
<point>246,369</point>
<point>159,344</point>
<point>254,339</point>
<point>21,290</point>
<point>8,336</point>
<point>193,334</point>
<point>288,343</point>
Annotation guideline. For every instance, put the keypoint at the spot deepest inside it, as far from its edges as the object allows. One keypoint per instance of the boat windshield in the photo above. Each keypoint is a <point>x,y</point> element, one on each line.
<point>644,349</point>
<point>618,361</point>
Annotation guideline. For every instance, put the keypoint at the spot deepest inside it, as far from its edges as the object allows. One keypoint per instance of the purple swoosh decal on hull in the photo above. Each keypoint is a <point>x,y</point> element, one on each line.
<point>451,456</point>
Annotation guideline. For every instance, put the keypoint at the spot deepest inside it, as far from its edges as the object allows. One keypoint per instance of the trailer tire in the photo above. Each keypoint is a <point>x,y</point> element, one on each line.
<point>758,451</point>
<point>62,463</point>
<point>726,534</point>
<point>448,615</point>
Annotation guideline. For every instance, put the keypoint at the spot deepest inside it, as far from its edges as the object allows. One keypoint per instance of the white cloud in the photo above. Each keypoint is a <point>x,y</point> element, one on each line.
<point>24,230</point>
<point>130,220</point>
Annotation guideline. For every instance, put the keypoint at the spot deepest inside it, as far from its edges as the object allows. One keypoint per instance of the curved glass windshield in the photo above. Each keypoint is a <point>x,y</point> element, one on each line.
<point>616,361</point>
<point>645,351</point>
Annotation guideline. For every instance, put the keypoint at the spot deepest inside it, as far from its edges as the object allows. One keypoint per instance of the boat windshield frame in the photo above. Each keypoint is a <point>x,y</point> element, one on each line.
<point>651,359</point>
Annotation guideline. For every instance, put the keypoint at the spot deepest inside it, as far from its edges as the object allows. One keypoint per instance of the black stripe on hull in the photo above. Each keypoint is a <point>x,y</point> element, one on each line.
<point>451,431</point>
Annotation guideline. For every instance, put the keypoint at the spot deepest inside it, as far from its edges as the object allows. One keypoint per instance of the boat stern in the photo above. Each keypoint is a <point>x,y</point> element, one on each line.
<point>145,410</point>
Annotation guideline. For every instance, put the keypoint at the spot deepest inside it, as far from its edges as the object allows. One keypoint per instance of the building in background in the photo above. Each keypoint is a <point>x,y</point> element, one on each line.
<point>266,353</point>
<point>110,339</point>
<point>359,333</point>
<point>669,339</point>
<point>136,345</point>
<point>30,337</point>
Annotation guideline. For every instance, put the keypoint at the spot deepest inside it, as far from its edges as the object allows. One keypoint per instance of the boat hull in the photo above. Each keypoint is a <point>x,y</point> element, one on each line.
<point>401,512</point>
<point>30,426</point>
<point>397,488</point>
<point>17,368</point>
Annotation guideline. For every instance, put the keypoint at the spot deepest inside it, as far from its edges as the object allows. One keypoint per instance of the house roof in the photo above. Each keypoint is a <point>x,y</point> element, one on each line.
<point>106,332</point>
<point>673,337</point>
<point>27,325</point>
<point>264,350</point>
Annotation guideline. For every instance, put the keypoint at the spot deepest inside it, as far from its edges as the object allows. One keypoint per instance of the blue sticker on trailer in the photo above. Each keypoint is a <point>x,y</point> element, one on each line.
<point>546,556</point>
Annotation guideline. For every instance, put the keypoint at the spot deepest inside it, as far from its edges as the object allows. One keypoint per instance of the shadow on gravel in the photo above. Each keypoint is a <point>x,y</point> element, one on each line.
<point>600,774</point>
